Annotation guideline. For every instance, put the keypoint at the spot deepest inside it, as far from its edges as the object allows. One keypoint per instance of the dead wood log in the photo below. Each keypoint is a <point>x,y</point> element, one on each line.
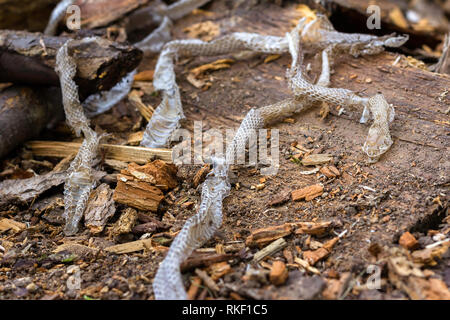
<point>29,15</point>
<point>24,112</point>
<point>29,58</point>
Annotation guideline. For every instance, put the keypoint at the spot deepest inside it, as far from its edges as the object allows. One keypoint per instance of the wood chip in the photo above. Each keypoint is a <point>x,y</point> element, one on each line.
<point>275,246</point>
<point>330,171</point>
<point>99,209</point>
<point>218,270</point>
<point>210,283</point>
<point>216,65</point>
<point>9,224</point>
<point>204,260</point>
<point>278,273</point>
<point>408,241</point>
<point>140,186</point>
<point>307,193</point>
<point>145,110</point>
<point>193,289</point>
<point>312,257</point>
<point>139,155</point>
<point>315,159</point>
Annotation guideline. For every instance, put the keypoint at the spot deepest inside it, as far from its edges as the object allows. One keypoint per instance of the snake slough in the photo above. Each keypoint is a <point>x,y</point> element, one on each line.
<point>318,34</point>
<point>199,228</point>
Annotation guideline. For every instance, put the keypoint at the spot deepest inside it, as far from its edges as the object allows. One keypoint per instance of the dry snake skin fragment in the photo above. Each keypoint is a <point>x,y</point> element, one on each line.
<point>80,180</point>
<point>79,184</point>
<point>379,139</point>
<point>155,41</point>
<point>197,230</point>
<point>103,101</point>
<point>320,34</point>
<point>168,114</point>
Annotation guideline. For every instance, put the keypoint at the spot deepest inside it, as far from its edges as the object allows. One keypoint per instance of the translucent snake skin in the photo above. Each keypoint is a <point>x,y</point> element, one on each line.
<point>318,34</point>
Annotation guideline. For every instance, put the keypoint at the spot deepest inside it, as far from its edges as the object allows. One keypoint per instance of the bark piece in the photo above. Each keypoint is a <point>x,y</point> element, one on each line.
<point>315,159</point>
<point>157,173</point>
<point>330,171</point>
<point>29,58</point>
<point>312,257</point>
<point>136,194</point>
<point>24,112</point>
<point>139,155</point>
<point>408,241</point>
<point>99,209</point>
<point>125,223</point>
<point>9,224</point>
<point>25,190</point>
<point>307,193</point>
<point>263,236</point>
<point>140,186</point>
<point>278,273</point>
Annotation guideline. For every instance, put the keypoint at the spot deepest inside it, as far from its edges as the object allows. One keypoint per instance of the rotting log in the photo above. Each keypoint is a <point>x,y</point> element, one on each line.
<point>25,14</point>
<point>29,58</point>
<point>24,112</point>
